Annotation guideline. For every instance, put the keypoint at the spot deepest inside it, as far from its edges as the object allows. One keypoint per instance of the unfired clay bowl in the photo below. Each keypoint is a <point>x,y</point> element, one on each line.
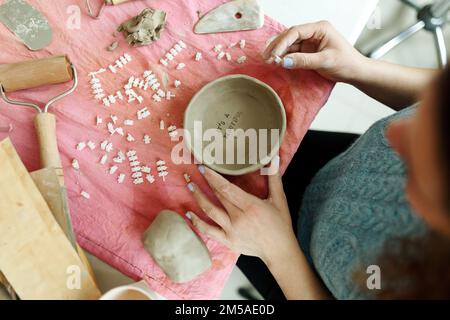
<point>235,102</point>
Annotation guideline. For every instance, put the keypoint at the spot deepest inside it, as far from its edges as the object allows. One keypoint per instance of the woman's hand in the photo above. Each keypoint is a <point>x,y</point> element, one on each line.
<point>259,228</point>
<point>248,225</point>
<point>316,46</point>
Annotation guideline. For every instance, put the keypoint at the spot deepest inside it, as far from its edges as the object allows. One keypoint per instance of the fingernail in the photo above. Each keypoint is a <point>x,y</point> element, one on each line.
<point>189,215</point>
<point>191,187</point>
<point>201,169</point>
<point>288,63</point>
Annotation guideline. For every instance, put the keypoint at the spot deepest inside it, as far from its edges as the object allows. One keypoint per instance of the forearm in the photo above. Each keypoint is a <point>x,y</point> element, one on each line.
<point>295,277</point>
<point>394,85</point>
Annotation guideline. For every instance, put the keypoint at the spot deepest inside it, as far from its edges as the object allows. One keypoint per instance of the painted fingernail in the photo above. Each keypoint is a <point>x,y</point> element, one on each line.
<point>201,169</point>
<point>189,215</point>
<point>288,63</point>
<point>191,187</point>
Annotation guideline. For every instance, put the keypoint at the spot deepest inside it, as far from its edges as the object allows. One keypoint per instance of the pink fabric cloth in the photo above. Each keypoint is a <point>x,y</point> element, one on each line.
<point>110,225</point>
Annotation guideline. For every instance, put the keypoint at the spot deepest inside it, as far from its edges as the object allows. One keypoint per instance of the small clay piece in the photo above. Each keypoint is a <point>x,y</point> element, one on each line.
<point>176,248</point>
<point>113,46</point>
<point>278,60</point>
<point>145,28</point>
<point>165,79</point>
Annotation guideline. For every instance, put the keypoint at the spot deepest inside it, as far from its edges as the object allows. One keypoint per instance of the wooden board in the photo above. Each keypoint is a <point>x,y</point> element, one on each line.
<point>35,255</point>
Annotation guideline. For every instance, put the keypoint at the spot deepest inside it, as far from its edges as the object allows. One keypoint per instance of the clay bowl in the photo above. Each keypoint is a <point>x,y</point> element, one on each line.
<point>235,102</point>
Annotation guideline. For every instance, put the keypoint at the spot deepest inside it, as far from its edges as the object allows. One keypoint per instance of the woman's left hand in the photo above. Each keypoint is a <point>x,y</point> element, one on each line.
<point>248,225</point>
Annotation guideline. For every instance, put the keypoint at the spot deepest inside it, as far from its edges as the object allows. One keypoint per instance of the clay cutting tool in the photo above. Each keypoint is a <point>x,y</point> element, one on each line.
<point>26,23</point>
<point>237,15</point>
<point>103,5</point>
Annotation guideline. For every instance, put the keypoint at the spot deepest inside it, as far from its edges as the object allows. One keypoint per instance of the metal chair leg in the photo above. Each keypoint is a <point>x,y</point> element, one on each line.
<point>388,46</point>
<point>442,49</point>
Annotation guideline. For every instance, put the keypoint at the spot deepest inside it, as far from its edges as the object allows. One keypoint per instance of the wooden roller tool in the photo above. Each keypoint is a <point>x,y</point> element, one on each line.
<point>36,73</point>
<point>32,74</point>
<point>104,4</point>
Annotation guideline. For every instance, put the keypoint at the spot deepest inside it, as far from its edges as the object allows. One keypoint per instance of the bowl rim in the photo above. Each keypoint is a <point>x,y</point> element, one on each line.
<point>251,168</point>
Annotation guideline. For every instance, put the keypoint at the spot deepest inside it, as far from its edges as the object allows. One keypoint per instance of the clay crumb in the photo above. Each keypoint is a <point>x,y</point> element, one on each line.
<point>113,46</point>
<point>75,164</point>
<point>165,79</point>
<point>85,195</point>
<point>241,59</point>
<point>278,60</point>
<point>187,178</point>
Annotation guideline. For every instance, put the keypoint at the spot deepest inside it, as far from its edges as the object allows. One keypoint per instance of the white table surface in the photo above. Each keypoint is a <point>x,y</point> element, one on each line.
<point>348,16</point>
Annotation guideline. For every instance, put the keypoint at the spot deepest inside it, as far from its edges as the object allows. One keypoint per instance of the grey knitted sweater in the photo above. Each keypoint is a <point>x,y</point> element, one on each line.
<point>353,206</point>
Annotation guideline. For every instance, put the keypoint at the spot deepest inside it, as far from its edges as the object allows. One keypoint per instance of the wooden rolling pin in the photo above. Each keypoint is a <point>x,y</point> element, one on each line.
<point>35,73</point>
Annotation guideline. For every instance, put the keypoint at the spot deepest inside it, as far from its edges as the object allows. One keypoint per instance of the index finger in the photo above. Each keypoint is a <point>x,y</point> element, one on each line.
<point>267,54</point>
<point>296,34</point>
<point>227,190</point>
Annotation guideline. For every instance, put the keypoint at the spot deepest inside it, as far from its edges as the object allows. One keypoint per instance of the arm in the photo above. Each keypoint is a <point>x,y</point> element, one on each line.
<point>293,274</point>
<point>394,85</point>
<point>318,46</point>
<point>259,228</point>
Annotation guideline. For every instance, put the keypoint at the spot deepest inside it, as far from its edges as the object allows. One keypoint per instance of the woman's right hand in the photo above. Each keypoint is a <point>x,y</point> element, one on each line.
<point>317,46</point>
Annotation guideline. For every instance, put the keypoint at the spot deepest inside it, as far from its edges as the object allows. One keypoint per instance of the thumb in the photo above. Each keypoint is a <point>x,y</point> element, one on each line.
<point>307,61</point>
<point>276,191</point>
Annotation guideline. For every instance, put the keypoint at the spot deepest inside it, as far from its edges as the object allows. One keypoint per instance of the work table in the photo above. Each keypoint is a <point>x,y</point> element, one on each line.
<point>349,19</point>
